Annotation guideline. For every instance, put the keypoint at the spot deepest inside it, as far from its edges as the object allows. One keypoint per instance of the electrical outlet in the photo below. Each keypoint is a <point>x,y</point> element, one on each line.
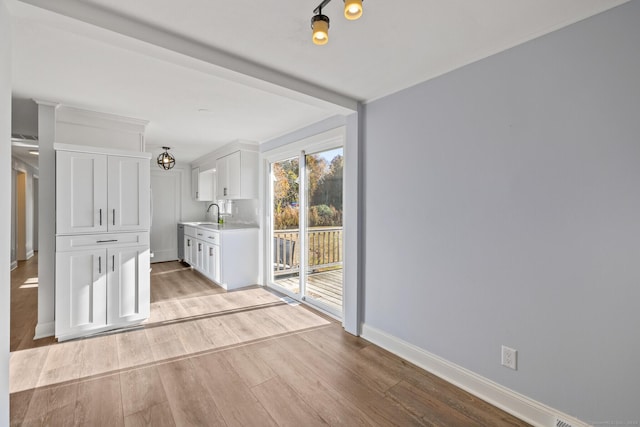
<point>509,357</point>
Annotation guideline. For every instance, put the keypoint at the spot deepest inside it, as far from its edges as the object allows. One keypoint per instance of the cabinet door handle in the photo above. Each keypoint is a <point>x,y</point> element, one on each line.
<point>196,194</point>
<point>225,191</point>
<point>114,217</point>
<point>188,242</point>
<point>210,251</point>
<point>199,247</point>
<point>107,241</point>
<point>99,265</point>
<point>113,263</point>
<point>100,216</point>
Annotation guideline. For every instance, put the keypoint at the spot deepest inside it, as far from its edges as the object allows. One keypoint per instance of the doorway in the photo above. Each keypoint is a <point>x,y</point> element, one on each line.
<point>306,194</point>
<point>165,214</point>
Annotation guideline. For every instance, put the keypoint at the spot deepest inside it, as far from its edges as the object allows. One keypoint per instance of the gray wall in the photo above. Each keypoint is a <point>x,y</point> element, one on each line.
<point>503,207</point>
<point>5,215</point>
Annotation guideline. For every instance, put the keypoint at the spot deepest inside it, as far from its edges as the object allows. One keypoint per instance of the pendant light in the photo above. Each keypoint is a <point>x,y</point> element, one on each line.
<point>166,160</point>
<point>320,22</point>
<point>352,9</point>
<point>320,27</point>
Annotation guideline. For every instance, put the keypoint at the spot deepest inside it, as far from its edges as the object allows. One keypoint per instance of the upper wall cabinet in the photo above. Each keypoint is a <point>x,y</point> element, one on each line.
<point>101,193</point>
<point>202,185</point>
<point>237,175</point>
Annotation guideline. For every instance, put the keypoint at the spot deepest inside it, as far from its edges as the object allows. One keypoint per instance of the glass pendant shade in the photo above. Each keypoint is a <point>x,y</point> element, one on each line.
<point>320,27</point>
<point>352,9</point>
<point>166,160</point>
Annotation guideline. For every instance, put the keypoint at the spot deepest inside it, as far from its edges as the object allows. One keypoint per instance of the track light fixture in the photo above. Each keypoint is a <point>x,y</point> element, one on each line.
<point>166,160</point>
<point>320,22</point>
<point>352,9</point>
<point>320,27</point>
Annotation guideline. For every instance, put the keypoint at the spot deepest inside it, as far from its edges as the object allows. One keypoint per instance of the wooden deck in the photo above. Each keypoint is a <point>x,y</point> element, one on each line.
<point>325,287</point>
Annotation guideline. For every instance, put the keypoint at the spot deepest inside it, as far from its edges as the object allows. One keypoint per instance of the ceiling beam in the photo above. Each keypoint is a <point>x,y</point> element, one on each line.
<point>242,70</point>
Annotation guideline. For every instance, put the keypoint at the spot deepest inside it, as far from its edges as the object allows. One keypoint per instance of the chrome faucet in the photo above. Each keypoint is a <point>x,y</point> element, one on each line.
<point>218,218</point>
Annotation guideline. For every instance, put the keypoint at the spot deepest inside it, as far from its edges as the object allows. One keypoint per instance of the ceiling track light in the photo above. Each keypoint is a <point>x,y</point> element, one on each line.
<point>320,22</point>
<point>166,160</point>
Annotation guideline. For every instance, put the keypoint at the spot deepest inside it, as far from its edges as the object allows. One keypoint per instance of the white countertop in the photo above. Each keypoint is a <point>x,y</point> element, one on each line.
<point>218,227</point>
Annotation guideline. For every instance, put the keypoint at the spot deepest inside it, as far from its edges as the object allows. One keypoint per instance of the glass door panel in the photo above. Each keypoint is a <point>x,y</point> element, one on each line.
<point>285,194</point>
<point>323,276</point>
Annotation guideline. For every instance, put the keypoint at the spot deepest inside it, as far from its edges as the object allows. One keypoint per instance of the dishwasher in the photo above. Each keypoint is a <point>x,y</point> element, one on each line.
<point>180,242</point>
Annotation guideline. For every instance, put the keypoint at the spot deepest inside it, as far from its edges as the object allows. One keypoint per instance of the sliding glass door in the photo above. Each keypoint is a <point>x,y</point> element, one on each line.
<point>307,227</point>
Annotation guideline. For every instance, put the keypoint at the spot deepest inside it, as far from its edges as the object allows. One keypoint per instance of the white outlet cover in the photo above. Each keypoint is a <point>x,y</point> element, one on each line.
<point>509,357</point>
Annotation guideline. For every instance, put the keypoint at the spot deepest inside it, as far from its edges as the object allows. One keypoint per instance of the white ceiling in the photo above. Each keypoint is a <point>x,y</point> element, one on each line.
<point>393,46</point>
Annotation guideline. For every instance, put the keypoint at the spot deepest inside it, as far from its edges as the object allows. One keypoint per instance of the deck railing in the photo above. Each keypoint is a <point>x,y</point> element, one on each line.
<point>325,249</point>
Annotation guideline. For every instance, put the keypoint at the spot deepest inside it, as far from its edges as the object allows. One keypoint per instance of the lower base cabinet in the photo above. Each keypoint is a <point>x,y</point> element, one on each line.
<point>227,257</point>
<point>101,288</point>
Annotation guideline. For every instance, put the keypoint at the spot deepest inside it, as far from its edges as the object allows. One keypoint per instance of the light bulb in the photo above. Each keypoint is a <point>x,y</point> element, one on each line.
<point>352,9</point>
<point>320,27</point>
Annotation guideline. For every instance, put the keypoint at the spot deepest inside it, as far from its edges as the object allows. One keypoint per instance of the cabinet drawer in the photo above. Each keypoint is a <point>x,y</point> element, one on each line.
<point>210,237</point>
<point>95,241</point>
<point>189,231</point>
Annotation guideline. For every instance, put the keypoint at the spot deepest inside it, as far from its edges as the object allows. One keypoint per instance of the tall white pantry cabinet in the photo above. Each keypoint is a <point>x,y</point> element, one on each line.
<point>102,239</point>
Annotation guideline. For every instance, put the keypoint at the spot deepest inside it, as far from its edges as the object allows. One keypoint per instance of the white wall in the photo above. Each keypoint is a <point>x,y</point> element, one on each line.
<point>5,215</point>
<point>46,223</point>
<point>502,207</point>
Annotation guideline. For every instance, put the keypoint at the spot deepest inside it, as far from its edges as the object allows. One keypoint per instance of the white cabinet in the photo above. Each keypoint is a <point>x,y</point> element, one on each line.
<point>81,192</point>
<point>81,291</point>
<point>101,193</point>
<point>195,183</point>
<point>128,198</point>
<point>211,267</point>
<point>188,249</point>
<point>228,257</point>
<point>202,185</point>
<point>237,175</point>
<point>128,293</point>
<point>102,239</point>
<point>101,283</point>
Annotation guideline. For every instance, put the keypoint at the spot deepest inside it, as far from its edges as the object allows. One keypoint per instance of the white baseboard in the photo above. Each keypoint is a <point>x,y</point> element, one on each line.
<point>44,330</point>
<point>14,265</point>
<point>30,254</point>
<point>520,406</point>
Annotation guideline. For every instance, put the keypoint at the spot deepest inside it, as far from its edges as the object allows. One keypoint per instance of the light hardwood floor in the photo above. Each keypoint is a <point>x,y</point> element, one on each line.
<point>209,357</point>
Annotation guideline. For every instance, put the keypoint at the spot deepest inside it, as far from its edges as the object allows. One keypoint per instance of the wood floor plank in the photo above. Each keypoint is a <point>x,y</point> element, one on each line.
<point>342,350</point>
<point>348,385</point>
<point>189,399</point>
<point>19,405</point>
<point>133,349</point>
<point>106,392</point>
<point>164,343</point>
<point>234,399</point>
<point>155,416</point>
<point>52,404</point>
<point>285,406</point>
<point>426,406</point>
<point>463,402</point>
<point>251,368</point>
<point>63,363</point>
<point>141,389</point>
<point>25,368</point>
<point>312,388</point>
<point>100,356</point>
